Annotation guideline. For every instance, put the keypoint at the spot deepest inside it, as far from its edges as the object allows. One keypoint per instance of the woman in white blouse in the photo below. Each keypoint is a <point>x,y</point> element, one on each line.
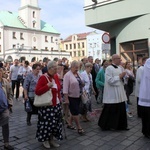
<point>87,78</point>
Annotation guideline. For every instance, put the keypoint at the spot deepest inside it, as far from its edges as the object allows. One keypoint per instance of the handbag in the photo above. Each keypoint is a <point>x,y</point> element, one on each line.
<point>28,107</point>
<point>84,97</point>
<point>44,99</point>
<point>20,77</point>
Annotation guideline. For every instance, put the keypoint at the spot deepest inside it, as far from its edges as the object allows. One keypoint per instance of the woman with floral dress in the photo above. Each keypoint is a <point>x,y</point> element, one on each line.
<point>49,117</point>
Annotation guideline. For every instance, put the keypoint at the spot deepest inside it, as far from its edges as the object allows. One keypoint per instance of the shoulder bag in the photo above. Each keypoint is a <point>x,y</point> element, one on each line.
<point>44,99</point>
<point>84,97</point>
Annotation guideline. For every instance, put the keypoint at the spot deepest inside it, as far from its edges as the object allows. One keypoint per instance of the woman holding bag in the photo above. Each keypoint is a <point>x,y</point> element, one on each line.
<point>87,78</point>
<point>29,88</point>
<point>49,117</point>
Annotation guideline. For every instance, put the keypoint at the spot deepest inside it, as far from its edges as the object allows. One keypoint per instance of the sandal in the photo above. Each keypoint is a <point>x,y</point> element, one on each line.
<point>81,131</point>
<point>71,127</point>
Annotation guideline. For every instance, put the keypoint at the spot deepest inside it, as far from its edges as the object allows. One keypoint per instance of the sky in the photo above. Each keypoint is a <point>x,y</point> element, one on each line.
<point>66,16</point>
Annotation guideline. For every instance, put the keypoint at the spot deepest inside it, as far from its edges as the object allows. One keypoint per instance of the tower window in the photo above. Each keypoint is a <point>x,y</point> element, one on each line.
<point>33,14</point>
<point>34,24</point>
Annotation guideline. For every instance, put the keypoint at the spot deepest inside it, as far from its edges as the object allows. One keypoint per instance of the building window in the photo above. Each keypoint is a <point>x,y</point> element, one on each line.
<point>74,45</point>
<point>71,54</point>
<point>83,53</point>
<point>46,40</point>
<point>0,48</point>
<point>74,54</point>
<point>33,14</point>
<point>82,44</point>
<point>70,46</point>
<point>79,45</point>
<point>52,48</point>
<point>66,47</point>
<point>34,24</point>
<point>14,46</point>
<point>34,47</point>
<point>0,35</point>
<point>46,48</point>
<point>79,53</point>
<point>14,35</point>
<point>52,40</point>
<point>21,36</point>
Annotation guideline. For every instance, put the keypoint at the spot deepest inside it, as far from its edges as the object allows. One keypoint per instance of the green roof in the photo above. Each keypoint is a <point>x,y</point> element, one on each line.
<point>11,19</point>
<point>47,28</point>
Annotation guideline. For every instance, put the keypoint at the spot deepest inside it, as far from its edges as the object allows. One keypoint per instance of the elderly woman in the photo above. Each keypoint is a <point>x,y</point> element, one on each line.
<point>29,88</point>
<point>6,103</point>
<point>88,88</point>
<point>49,117</point>
<point>72,89</point>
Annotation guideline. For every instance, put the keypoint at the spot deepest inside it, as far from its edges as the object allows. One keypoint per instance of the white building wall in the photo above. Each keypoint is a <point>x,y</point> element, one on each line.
<point>94,46</point>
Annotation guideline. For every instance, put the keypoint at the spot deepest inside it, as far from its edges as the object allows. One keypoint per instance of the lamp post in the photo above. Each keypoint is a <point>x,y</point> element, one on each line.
<point>19,49</point>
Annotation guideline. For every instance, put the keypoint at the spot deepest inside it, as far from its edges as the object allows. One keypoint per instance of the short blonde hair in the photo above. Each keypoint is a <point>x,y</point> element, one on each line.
<point>74,63</point>
<point>88,65</point>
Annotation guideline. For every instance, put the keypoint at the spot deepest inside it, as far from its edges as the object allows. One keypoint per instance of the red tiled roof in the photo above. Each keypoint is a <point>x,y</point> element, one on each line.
<point>80,36</point>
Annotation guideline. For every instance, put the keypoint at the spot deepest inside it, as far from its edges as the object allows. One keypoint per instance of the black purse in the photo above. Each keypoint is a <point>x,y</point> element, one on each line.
<point>20,77</point>
<point>28,107</point>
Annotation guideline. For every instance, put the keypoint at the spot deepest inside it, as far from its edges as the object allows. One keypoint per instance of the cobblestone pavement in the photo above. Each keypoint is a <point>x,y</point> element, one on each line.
<point>23,136</point>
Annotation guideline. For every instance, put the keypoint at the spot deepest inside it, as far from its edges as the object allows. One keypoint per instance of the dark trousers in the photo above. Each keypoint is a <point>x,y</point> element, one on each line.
<point>138,108</point>
<point>5,132</point>
<point>15,84</point>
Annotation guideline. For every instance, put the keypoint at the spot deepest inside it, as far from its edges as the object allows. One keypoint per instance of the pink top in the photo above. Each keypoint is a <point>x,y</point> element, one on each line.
<point>71,85</point>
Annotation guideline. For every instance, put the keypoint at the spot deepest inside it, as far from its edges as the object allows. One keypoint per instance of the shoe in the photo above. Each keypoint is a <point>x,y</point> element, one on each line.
<point>29,123</point>
<point>81,131</point>
<point>9,147</point>
<point>147,136</point>
<point>53,143</point>
<point>46,144</point>
<point>71,127</point>
<point>129,103</point>
<point>129,114</point>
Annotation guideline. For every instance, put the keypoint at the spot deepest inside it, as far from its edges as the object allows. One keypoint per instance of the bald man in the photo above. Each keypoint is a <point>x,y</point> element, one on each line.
<point>113,116</point>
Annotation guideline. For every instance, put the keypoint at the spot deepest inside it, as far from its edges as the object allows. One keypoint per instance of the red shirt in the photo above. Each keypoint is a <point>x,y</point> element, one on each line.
<point>42,87</point>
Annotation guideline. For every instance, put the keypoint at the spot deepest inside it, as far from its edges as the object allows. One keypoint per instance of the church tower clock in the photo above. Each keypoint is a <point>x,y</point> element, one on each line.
<point>29,14</point>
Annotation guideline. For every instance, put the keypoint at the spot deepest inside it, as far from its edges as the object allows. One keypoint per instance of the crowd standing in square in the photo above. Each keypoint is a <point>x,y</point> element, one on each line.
<point>111,82</point>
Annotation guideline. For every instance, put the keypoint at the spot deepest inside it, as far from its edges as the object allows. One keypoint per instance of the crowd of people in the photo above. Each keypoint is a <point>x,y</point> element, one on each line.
<point>111,82</point>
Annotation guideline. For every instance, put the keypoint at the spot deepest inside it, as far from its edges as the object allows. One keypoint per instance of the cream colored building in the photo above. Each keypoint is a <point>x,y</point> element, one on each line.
<point>24,35</point>
<point>76,44</point>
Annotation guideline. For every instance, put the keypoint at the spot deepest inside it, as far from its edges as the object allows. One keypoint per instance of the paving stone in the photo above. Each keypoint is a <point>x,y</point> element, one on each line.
<point>23,136</point>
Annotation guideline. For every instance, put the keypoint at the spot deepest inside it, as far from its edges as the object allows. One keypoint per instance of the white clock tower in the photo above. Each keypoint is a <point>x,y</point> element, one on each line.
<point>29,14</point>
